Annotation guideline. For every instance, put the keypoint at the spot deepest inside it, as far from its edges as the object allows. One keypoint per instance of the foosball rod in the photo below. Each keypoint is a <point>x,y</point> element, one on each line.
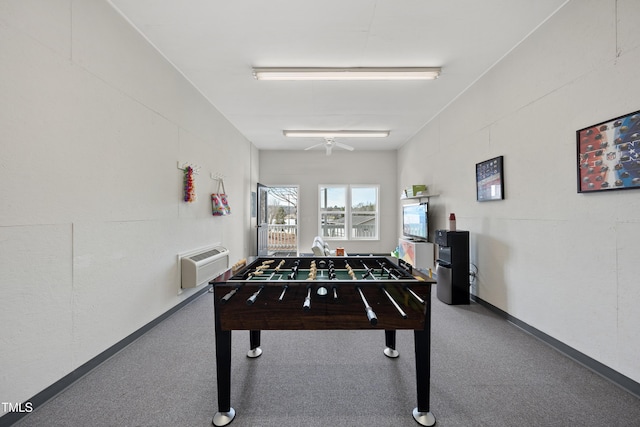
<point>393,301</point>
<point>420,300</point>
<point>388,271</point>
<point>373,319</point>
<point>369,272</point>
<point>284,289</point>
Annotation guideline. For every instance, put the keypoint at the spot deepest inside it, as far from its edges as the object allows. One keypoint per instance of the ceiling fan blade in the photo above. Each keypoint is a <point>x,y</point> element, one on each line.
<point>329,147</point>
<point>346,147</point>
<point>314,146</point>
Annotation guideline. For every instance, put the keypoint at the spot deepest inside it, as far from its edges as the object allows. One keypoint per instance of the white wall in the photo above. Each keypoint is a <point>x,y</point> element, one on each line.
<point>563,262</point>
<point>94,123</point>
<point>309,169</point>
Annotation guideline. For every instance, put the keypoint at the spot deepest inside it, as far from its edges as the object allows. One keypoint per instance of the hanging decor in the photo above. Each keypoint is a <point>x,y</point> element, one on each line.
<point>189,185</point>
<point>219,204</point>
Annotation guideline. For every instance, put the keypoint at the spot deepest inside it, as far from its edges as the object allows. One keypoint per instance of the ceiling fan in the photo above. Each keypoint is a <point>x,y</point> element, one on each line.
<point>328,144</point>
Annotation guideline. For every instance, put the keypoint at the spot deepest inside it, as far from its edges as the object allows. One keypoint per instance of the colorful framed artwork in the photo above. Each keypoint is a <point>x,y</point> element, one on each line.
<point>490,180</point>
<point>609,155</point>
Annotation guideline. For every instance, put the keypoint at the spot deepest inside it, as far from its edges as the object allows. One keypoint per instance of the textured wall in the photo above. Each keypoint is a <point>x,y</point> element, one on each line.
<point>560,261</point>
<point>94,123</point>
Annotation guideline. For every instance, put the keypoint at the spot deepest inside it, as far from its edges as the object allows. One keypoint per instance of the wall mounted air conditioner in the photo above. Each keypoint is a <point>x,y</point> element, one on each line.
<point>201,266</point>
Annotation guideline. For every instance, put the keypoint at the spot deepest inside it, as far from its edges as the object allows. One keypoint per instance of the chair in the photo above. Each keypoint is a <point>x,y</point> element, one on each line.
<point>321,248</point>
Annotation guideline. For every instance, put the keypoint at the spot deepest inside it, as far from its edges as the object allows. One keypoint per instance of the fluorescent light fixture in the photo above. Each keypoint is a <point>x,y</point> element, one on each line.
<point>404,73</point>
<point>336,133</point>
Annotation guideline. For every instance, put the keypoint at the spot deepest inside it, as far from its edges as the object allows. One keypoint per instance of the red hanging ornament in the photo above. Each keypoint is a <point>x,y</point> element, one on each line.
<point>189,185</point>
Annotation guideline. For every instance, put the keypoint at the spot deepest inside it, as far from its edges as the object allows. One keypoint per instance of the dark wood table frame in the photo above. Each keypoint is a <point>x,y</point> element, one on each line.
<point>347,312</point>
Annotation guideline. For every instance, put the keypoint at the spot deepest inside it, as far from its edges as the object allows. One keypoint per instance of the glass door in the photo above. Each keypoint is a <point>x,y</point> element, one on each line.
<point>263,220</point>
<point>277,220</point>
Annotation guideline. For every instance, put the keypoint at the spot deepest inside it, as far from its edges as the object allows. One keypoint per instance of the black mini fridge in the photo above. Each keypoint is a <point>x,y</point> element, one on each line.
<point>452,266</point>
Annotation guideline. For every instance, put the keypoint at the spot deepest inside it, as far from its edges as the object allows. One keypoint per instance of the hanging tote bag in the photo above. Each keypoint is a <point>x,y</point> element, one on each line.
<point>219,203</point>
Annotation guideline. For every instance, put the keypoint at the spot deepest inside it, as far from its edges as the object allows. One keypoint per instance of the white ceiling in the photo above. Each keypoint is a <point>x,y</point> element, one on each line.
<point>215,44</point>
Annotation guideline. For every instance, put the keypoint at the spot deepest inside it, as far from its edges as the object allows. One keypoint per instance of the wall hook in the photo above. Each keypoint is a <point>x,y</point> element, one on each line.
<point>183,166</point>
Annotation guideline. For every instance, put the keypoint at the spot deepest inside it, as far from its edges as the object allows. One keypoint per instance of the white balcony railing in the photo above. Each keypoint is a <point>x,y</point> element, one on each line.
<point>283,237</point>
<point>360,231</point>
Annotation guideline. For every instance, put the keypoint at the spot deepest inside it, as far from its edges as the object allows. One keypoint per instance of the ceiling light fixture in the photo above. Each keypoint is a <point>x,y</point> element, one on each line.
<point>404,73</point>
<point>336,133</point>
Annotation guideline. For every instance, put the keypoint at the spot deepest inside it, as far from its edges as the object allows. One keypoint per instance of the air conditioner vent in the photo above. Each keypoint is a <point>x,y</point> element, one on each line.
<point>204,255</point>
<point>201,266</point>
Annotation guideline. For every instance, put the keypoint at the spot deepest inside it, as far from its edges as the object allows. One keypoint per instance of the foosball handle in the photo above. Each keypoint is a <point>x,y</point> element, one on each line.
<point>373,319</point>
<point>370,314</point>
<point>253,297</point>
<point>228,296</point>
<point>307,301</point>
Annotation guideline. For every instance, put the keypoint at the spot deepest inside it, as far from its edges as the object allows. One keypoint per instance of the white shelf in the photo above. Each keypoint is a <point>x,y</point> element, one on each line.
<point>424,196</point>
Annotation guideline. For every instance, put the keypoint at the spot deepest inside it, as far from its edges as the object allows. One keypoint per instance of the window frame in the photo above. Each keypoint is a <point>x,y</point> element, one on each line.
<point>348,211</point>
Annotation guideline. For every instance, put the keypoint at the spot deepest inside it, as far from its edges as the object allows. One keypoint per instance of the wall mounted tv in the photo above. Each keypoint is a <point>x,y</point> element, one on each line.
<point>415,221</point>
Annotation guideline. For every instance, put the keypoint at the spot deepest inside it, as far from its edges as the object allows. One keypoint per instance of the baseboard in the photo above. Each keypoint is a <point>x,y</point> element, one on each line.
<point>615,377</point>
<point>48,393</point>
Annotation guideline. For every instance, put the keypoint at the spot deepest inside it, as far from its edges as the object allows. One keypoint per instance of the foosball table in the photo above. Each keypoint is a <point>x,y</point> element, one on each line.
<point>313,293</point>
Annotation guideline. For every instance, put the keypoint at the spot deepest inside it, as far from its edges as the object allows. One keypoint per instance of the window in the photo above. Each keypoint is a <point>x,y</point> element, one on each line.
<point>364,212</point>
<point>348,212</point>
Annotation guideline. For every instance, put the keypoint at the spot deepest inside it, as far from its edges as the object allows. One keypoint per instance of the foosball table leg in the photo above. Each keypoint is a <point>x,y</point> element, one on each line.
<point>254,345</point>
<point>424,418</point>
<point>223,418</point>
<point>225,413</point>
<point>422,342</point>
<point>390,344</point>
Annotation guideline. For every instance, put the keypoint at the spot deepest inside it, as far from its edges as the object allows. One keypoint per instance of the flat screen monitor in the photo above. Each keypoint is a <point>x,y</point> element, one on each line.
<point>415,221</point>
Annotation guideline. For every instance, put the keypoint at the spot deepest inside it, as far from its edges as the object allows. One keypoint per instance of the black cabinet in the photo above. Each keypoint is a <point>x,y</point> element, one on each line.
<point>452,266</point>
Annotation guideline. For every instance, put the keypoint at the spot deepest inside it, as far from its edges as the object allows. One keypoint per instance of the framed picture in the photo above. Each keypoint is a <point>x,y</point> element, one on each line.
<point>609,155</point>
<point>490,180</point>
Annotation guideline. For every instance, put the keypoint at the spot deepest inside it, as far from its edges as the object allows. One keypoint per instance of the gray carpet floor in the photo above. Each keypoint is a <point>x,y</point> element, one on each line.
<point>485,372</point>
